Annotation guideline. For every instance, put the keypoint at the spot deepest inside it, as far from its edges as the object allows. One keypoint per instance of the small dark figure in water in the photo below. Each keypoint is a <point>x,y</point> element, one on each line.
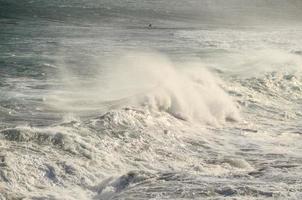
<point>150,26</point>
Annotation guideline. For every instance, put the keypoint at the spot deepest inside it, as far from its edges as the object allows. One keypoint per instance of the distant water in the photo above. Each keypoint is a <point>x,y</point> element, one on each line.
<point>205,104</point>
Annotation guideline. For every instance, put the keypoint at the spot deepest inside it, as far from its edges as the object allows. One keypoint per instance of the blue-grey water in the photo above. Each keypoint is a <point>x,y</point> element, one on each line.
<point>150,99</point>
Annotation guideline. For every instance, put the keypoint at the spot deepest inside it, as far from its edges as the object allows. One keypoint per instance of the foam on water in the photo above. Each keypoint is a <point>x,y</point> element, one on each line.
<point>215,115</point>
<point>127,152</point>
<point>165,126</point>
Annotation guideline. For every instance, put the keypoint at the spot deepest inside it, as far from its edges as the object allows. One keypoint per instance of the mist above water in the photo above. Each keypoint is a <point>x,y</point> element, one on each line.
<point>150,80</point>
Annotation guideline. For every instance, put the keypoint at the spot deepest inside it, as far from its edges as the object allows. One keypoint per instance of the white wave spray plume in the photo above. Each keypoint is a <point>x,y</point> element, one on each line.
<point>151,80</point>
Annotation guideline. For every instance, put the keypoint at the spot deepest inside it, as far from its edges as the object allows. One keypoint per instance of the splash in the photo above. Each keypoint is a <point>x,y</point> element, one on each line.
<point>151,80</point>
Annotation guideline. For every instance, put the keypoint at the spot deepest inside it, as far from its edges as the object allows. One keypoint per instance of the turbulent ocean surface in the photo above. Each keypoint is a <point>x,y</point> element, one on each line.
<point>203,104</point>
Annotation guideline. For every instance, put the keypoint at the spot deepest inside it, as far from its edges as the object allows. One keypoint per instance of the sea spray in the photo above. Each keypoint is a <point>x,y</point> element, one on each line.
<point>186,90</point>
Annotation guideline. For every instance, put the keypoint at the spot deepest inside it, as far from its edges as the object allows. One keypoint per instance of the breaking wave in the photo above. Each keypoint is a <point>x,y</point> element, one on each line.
<point>185,90</point>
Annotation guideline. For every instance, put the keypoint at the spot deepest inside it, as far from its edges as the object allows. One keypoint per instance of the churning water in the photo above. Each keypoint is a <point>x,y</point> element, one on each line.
<point>203,103</point>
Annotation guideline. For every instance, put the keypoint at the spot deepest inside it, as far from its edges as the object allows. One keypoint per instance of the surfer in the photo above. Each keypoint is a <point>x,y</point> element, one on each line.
<point>150,26</point>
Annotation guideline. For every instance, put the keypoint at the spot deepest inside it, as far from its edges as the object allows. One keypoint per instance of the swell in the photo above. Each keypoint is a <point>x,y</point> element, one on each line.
<point>205,12</point>
<point>82,13</point>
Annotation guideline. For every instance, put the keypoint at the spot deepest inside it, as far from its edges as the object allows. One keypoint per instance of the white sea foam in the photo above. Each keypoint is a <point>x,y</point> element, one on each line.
<point>144,125</point>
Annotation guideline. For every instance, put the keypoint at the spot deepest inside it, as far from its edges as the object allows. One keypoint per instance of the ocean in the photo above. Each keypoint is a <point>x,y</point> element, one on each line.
<point>139,99</point>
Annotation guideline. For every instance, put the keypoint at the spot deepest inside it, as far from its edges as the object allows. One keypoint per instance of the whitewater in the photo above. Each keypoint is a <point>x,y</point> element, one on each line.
<point>204,104</point>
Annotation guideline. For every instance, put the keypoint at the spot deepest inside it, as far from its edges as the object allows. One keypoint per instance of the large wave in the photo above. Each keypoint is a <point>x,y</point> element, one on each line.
<point>150,80</point>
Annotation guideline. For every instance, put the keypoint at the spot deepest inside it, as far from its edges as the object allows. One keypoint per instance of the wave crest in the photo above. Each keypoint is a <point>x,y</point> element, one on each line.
<point>150,80</point>
<point>186,90</point>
